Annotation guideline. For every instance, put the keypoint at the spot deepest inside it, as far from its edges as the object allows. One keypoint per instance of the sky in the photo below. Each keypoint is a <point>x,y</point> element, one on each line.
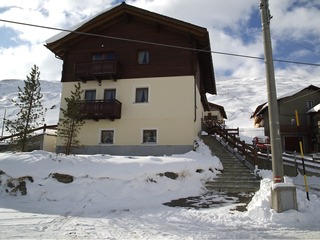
<point>234,27</point>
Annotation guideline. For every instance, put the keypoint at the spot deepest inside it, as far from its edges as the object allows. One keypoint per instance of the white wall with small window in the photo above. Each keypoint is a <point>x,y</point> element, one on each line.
<point>164,105</point>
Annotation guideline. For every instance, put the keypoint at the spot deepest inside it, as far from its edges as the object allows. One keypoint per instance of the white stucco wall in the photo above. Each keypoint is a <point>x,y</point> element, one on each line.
<point>170,110</point>
<point>49,142</point>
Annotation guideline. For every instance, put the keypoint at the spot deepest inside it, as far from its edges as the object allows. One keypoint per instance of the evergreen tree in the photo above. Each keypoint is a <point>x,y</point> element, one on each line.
<point>31,110</point>
<point>72,120</point>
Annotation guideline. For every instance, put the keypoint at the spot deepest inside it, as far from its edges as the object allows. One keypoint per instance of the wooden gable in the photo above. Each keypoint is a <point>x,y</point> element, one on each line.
<point>124,26</point>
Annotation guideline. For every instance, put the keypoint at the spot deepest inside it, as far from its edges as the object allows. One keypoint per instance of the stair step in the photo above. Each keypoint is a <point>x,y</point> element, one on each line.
<point>236,171</point>
<point>230,182</point>
<point>235,174</point>
<point>231,189</point>
<point>235,177</point>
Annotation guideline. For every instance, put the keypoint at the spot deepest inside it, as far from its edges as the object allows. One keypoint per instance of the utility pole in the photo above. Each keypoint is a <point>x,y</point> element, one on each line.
<point>276,149</point>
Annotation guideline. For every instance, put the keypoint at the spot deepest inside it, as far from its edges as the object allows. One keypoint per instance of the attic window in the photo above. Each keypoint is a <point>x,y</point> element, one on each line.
<point>310,104</point>
<point>143,57</point>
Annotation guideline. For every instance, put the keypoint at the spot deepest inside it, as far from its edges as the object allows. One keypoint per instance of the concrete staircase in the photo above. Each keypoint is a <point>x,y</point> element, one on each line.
<point>235,178</point>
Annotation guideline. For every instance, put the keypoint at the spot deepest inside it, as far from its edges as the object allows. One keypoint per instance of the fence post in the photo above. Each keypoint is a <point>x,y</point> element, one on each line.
<point>255,156</point>
<point>226,133</point>
<point>244,153</point>
<point>295,161</point>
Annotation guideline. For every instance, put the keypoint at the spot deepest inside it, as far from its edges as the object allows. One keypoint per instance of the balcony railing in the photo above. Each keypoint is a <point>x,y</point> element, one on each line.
<point>96,70</point>
<point>293,129</point>
<point>101,109</point>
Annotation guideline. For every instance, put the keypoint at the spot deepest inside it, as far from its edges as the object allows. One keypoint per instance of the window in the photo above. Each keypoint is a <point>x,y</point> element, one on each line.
<point>90,95</point>
<point>149,136</point>
<point>107,136</point>
<point>108,56</point>
<point>143,57</point>
<point>142,95</point>
<point>310,104</point>
<point>109,94</point>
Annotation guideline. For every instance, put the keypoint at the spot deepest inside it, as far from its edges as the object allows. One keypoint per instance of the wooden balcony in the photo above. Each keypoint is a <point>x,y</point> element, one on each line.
<point>96,70</point>
<point>293,129</point>
<point>101,109</point>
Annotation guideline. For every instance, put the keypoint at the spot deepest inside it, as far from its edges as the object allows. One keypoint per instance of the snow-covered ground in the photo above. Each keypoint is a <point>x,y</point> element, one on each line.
<point>121,197</point>
<point>114,197</point>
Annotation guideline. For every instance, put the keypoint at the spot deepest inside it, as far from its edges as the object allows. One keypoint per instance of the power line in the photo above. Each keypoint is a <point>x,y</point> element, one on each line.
<point>248,33</point>
<point>298,44</point>
<point>153,43</point>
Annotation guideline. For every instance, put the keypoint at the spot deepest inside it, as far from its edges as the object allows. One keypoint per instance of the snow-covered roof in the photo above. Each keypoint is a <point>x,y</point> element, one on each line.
<point>314,109</point>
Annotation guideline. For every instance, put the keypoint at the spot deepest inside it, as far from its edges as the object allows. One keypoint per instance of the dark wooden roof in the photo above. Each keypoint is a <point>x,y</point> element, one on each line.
<point>264,106</point>
<point>59,43</point>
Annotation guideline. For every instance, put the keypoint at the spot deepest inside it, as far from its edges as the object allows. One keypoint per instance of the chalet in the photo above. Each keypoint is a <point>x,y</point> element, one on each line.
<point>215,114</point>
<point>145,77</point>
<point>302,101</point>
<point>315,125</point>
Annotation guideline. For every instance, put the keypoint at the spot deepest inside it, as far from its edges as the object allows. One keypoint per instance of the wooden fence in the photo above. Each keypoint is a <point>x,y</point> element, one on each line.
<point>251,157</point>
<point>44,128</point>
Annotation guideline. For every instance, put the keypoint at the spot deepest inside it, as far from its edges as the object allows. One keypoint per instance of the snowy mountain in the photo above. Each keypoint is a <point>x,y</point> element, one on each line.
<point>240,97</point>
<point>51,91</point>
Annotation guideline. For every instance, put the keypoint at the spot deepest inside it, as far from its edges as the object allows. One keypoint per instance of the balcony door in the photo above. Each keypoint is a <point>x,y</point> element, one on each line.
<point>90,95</point>
<point>103,56</point>
<point>109,94</point>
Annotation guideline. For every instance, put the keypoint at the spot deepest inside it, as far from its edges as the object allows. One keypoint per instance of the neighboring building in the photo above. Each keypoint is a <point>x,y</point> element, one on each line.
<point>144,96</point>
<point>315,124</point>
<point>215,114</point>
<point>301,100</point>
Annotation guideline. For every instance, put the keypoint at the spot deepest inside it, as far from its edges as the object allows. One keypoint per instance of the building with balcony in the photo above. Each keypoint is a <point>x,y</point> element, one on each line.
<point>215,115</point>
<point>302,101</point>
<point>145,78</point>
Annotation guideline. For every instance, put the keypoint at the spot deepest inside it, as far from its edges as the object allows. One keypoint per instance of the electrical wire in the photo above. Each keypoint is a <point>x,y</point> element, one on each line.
<point>298,44</point>
<point>156,44</point>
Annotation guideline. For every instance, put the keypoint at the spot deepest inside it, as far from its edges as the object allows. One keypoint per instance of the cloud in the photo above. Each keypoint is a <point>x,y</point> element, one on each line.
<point>234,27</point>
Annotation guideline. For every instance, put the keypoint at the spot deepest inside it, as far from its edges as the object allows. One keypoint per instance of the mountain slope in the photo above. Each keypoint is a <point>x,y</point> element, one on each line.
<point>240,97</point>
<point>51,91</point>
